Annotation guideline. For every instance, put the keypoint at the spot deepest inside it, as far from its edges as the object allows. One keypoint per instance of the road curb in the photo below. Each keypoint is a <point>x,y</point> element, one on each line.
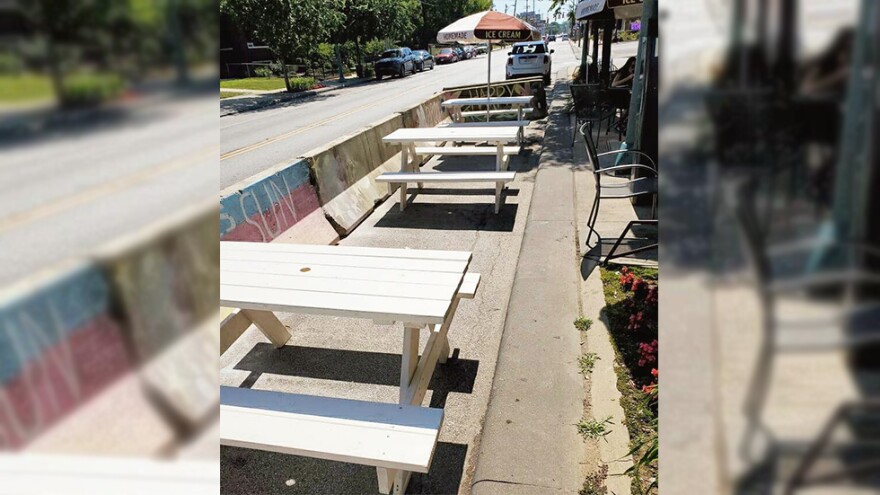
<point>271,99</point>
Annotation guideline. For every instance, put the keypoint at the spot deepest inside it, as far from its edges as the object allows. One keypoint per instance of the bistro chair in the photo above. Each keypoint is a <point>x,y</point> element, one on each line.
<point>591,105</point>
<point>633,187</point>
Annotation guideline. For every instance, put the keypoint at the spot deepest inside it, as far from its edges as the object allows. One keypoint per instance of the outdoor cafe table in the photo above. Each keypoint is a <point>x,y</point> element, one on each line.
<point>418,288</point>
<point>408,138</point>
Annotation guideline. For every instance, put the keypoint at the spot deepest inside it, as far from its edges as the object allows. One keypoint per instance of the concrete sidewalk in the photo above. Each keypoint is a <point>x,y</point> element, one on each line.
<point>530,443</point>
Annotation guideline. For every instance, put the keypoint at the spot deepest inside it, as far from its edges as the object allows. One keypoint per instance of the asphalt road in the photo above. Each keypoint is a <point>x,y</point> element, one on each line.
<point>95,178</point>
<point>254,141</point>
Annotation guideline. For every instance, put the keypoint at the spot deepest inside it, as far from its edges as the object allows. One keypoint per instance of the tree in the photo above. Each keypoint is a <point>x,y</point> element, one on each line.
<point>288,27</point>
<point>437,14</point>
<point>365,20</point>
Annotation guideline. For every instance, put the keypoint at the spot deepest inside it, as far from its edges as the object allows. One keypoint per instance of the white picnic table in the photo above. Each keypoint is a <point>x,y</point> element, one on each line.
<point>517,104</point>
<point>418,288</point>
<point>407,138</point>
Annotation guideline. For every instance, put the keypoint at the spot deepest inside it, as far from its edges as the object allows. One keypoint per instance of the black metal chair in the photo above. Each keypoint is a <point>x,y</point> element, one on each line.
<point>591,104</point>
<point>646,184</point>
<point>804,269</point>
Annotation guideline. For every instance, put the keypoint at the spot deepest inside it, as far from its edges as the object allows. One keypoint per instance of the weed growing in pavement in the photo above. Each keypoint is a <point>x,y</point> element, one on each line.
<point>583,324</point>
<point>587,361</point>
<point>594,429</point>
<point>595,482</point>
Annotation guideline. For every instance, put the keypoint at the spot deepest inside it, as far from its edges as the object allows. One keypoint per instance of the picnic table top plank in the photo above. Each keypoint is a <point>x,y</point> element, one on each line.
<point>483,101</point>
<point>373,283</point>
<point>338,286</point>
<point>347,260</point>
<point>346,273</point>
<point>384,308</point>
<point>463,134</point>
<point>352,250</point>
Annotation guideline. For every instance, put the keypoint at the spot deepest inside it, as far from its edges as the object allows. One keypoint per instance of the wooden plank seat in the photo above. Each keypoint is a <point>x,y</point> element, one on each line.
<point>404,178</point>
<point>466,150</point>
<point>398,439</point>
<point>499,111</point>
<point>494,123</point>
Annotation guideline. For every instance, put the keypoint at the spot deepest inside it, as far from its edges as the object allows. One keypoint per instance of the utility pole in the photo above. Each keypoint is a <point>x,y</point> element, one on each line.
<point>514,8</point>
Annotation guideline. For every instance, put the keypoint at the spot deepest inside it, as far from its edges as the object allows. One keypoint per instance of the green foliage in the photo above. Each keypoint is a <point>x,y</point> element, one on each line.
<point>437,14</point>
<point>291,28</point>
<point>583,324</point>
<point>587,362</point>
<point>263,71</point>
<point>594,484</point>
<point>24,88</point>
<point>301,83</point>
<point>594,429</point>
<point>627,35</point>
<point>91,89</point>
<point>640,407</point>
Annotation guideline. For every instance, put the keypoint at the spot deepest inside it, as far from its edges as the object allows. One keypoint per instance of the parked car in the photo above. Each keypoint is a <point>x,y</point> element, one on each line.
<point>551,37</point>
<point>529,58</point>
<point>469,51</point>
<point>460,53</point>
<point>395,62</point>
<point>423,60</point>
<point>563,37</point>
<point>482,48</point>
<point>446,56</point>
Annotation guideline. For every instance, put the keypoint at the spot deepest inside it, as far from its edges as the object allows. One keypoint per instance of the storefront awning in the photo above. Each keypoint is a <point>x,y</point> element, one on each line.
<point>623,9</point>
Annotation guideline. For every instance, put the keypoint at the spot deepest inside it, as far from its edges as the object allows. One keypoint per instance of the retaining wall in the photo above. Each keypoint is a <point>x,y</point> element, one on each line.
<point>69,333</point>
<point>324,193</point>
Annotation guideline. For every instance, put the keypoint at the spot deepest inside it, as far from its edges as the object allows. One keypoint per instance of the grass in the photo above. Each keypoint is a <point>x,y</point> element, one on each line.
<point>593,428</point>
<point>268,83</point>
<point>583,324</point>
<point>587,362</point>
<point>228,94</point>
<point>640,414</point>
<point>25,88</point>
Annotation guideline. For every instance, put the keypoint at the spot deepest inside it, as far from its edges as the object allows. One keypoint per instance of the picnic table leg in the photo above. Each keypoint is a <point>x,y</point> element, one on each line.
<point>499,156</point>
<point>416,163</point>
<point>418,385</point>
<point>403,161</point>
<point>269,324</point>
<point>409,358</point>
<point>499,187</point>
<point>444,352</point>
<point>386,479</point>
<point>402,196</point>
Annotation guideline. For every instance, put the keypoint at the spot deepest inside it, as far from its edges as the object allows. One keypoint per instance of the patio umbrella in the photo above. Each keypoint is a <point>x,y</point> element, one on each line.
<point>488,26</point>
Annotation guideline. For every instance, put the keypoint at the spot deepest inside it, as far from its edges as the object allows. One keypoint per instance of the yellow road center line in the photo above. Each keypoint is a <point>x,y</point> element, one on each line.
<point>102,190</point>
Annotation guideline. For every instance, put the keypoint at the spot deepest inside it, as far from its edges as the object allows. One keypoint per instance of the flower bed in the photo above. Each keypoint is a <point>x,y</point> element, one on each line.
<point>631,295</point>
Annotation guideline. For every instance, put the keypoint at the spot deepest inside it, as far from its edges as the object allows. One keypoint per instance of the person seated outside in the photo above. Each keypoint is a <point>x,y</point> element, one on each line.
<point>624,76</point>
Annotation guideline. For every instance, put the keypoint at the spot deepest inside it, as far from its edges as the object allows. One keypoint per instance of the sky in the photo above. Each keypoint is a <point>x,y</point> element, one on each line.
<point>540,5</point>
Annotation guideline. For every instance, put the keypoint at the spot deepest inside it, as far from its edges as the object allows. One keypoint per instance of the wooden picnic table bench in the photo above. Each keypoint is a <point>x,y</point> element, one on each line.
<point>497,136</point>
<point>419,288</point>
<point>517,106</point>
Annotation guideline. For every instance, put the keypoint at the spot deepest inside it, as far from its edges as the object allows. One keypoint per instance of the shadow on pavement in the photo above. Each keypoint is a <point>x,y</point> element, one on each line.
<point>457,375</point>
<point>252,471</point>
<point>456,216</point>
